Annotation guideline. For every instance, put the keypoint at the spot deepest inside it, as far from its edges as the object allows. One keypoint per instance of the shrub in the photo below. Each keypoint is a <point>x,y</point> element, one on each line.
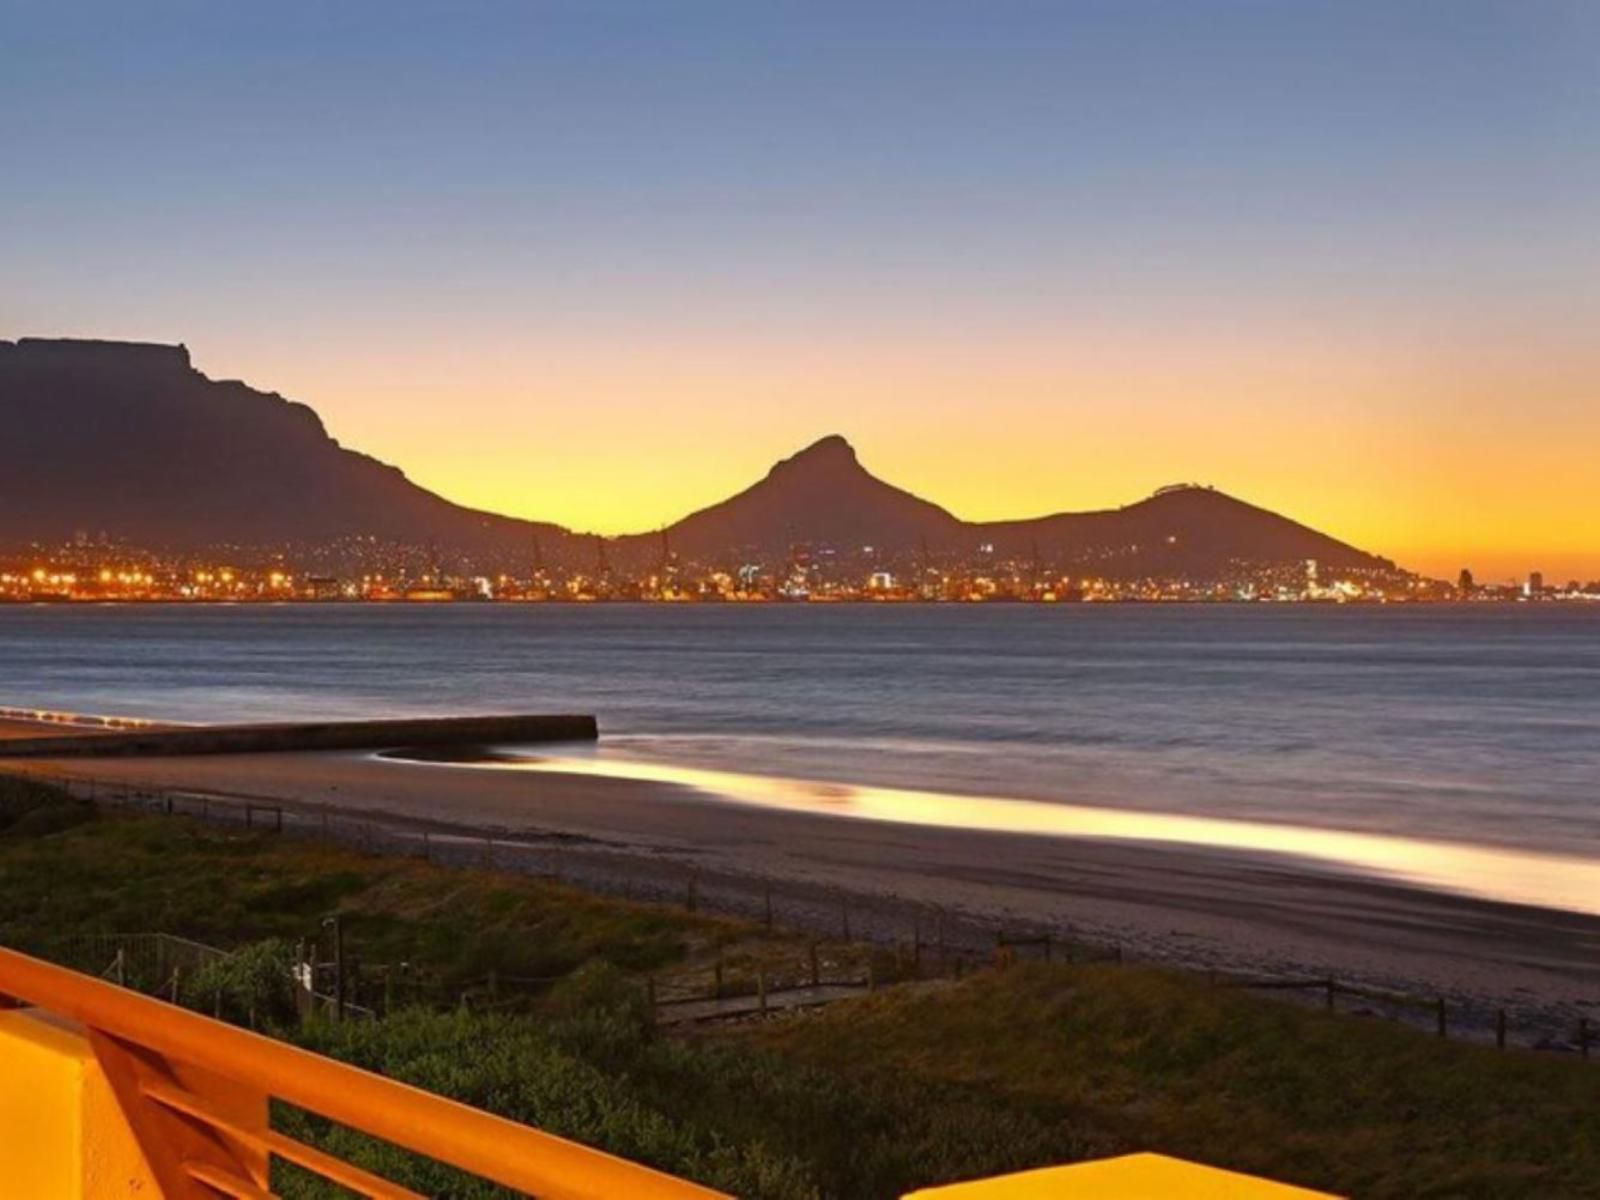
<point>250,986</point>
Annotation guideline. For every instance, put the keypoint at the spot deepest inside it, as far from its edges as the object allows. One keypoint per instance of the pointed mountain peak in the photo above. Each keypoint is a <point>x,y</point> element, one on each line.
<point>829,453</point>
<point>834,446</point>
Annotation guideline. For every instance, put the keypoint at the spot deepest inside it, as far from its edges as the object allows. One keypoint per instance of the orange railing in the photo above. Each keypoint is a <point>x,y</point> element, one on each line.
<point>195,1092</point>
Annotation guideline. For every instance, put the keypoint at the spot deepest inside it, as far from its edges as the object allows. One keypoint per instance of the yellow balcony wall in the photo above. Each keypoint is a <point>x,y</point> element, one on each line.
<point>1131,1177</point>
<point>62,1133</point>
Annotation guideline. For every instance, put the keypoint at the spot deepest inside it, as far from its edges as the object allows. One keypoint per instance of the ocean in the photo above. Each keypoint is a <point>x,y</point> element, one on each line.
<point>1470,725</point>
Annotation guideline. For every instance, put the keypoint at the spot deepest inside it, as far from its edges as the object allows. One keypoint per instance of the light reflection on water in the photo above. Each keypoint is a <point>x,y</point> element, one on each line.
<point>1466,725</point>
<point>1520,877</point>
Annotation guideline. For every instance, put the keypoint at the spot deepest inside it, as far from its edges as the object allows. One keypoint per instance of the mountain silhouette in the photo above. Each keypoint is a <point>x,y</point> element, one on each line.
<point>130,440</point>
<point>821,495</point>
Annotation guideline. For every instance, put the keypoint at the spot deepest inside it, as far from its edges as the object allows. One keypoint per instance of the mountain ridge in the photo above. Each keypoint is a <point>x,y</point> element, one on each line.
<point>131,439</point>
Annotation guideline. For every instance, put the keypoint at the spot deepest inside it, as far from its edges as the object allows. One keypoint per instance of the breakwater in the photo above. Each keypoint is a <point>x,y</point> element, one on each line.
<point>308,735</point>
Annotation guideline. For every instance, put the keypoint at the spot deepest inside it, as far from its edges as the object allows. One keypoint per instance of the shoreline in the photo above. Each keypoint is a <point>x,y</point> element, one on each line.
<point>1203,908</point>
<point>1531,878</point>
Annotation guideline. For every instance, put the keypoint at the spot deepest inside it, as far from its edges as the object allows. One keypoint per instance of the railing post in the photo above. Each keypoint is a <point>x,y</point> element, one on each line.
<point>173,1148</point>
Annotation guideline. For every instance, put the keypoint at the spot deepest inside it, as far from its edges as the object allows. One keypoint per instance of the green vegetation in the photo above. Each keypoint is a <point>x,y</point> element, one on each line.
<point>915,1085</point>
<point>225,887</point>
<point>1131,1058</point>
<point>30,810</point>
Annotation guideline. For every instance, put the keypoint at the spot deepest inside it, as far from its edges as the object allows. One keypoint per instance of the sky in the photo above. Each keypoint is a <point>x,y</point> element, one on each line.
<point>604,263</point>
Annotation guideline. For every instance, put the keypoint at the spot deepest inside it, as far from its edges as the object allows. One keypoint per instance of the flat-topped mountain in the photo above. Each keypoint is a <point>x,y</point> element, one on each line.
<point>130,440</point>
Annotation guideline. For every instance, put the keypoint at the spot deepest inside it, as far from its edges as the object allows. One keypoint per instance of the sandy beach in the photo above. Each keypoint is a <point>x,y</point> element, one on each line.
<point>1185,905</point>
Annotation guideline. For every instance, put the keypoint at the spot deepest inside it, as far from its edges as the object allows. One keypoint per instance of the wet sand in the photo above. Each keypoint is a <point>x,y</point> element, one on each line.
<point>1191,906</point>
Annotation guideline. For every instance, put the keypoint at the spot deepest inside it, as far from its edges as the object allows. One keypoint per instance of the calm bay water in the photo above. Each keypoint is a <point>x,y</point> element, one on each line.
<point>1477,725</point>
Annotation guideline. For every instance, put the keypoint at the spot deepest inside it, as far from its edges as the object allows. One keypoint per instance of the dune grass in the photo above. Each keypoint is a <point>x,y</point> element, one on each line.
<point>1134,1059</point>
<point>126,873</point>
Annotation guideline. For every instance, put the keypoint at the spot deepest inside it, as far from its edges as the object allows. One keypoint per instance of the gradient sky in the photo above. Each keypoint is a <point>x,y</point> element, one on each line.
<point>602,263</point>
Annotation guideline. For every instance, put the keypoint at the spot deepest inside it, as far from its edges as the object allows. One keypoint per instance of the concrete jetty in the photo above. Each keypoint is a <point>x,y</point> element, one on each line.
<point>173,740</point>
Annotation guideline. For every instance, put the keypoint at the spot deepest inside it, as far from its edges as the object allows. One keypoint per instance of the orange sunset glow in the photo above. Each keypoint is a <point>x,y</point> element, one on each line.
<point>1412,455</point>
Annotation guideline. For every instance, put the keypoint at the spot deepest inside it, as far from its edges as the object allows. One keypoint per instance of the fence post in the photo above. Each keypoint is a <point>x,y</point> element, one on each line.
<point>692,897</point>
<point>279,811</point>
<point>1443,1026</point>
<point>427,846</point>
<point>1500,1029</point>
<point>1047,947</point>
<point>338,967</point>
<point>1328,1000</point>
<point>1583,1036</point>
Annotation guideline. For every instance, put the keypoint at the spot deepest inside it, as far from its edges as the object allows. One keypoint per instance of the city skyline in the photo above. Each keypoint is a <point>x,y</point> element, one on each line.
<point>1337,259</point>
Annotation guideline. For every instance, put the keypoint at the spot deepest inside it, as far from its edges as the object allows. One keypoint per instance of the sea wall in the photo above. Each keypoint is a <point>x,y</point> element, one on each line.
<point>318,735</point>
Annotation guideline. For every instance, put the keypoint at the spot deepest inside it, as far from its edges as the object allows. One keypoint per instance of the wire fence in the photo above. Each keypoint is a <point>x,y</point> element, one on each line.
<point>895,939</point>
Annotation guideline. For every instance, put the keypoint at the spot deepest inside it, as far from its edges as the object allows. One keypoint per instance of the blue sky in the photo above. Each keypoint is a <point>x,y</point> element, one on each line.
<point>754,221</point>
